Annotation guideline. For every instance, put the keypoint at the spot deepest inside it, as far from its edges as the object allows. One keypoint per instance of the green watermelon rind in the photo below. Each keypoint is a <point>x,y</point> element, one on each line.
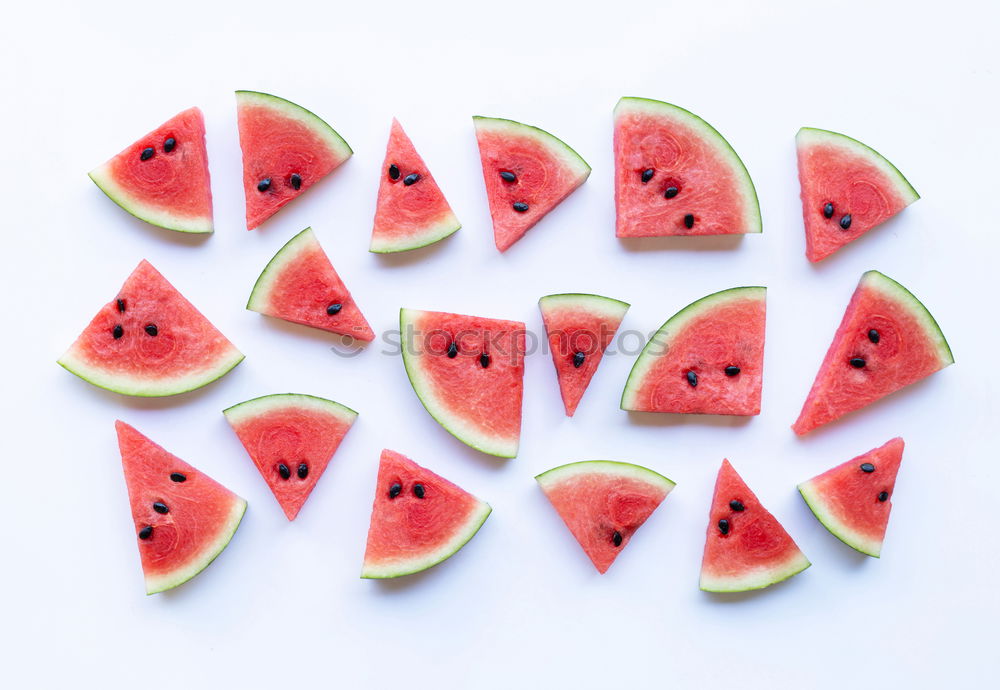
<point>295,111</point>
<point>556,475</point>
<point>179,576</point>
<point>420,563</point>
<point>254,407</point>
<point>259,300</point>
<point>428,236</point>
<point>710,135</point>
<point>677,322</point>
<point>556,146</point>
<point>608,307</point>
<point>812,136</point>
<point>869,547</point>
<point>144,212</point>
<point>758,579</point>
<point>885,284</point>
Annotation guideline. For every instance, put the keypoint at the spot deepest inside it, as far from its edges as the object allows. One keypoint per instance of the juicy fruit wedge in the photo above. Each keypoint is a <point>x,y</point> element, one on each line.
<point>707,358</point>
<point>290,438</point>
<point>286,150</point>
<point>852,500</point>
<point>411,211</point>
<point>847,189</point>
<point>603,503</point>
<point>887,340</point>
<point>150,341</point>
<point>418,519</point>
<point>300,285</point>
<point>183,518</point>
<point>468,372</point>
<point>745,547</point>
<point>579,329</point>
<point>676,175</point>
<point>527,171</point>
<point>163,177</point>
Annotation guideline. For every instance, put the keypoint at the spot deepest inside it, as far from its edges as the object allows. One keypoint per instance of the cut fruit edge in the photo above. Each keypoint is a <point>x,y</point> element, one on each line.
<point>294,111</point>
<point>607,307</point>
<point>249,409</point>
<point>759,578</point>
<point>612,468</point>
<point>144,212</point>
<point>556,146</point>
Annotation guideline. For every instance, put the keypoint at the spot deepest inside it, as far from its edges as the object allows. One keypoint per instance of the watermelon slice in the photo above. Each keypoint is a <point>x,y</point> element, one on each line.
<point>676,175</point>
<point>468,372</point>
<point>603,503</point>
<point>183,518</point>
<point>708,358</point>
<point>887,340</point>
<point>745,547</point>
<point>852,499</point>
<point>528,172</point>
<point>847,189</point>
<point>163,177</point>
<point>290,438</point>
<point>300,285</point>
<point>418,519</point>
<point>149,341</point>
<point>286,150</point>
<point>411,211</point>
<point>579,329</point>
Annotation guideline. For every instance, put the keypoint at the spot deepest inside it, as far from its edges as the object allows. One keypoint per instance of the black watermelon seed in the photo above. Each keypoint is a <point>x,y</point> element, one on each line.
<point>452,350</point>
<point>737,505</point>
<point>867,467</point>
<point>858,362</point>
<point>151,329</point>
<point>303,470</point>
<point>118,332</point>
<point>671,192</point>
<point>418,490</point>
<point>845,221</point>
<point>264,184</point>
<point>121,305</point>
<point>883,496</point>
<point>283,471</point>
<point>616,538</point>
<point>732,370</point>
<point>724,526</point>
<point>578,359</point>
<point>334,308</point>
<point>177,477</point>
<point>147,153</point>
<point>828,210</point>
<point>412,178</point>
<point>520,206</point>
<point>170,144</point>
<point>692,378</point>
<point>393,172</point>
<point>647,175</point>
<point>395,489</point>
<point>689,221</point>
<point>484,360</point>
<point>161,508</point>
<point>508,176</point>
<point>874,336</point>
<point>146,532</point>
<point>296,181</point>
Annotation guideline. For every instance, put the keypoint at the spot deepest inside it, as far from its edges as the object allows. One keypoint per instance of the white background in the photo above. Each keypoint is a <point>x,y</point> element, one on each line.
<point>520,606</point>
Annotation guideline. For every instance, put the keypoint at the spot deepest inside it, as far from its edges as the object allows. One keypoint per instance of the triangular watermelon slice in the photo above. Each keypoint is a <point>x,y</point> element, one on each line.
<point>887,340</point>
<point>286,150</point>
<point>847,189</point>
<point>418,519</point>
<point>150,341</point>
<point>163,177</point>
<point>183,518</point>
<point>468,372</point>
<point>676,175</point>
<point>745,546</point>
<point>527,171</point>
<point>290,438</point>
<point>852,499</point>
<point>300,285</point>
<point>579,329</point>
<point>708,358</point>
<point>604,503</point>
<point>411,211</point>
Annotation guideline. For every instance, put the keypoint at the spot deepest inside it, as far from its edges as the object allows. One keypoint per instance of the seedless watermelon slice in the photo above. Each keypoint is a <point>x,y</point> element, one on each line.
<point>163,177</point>
<point>847,189</point>
<point>291,438</point>
<point>411,211</point>
<point>603,503</point>
<point>676,175</point>
<point>286,150</point>
<point>418,519</point>
<point>300,285</point>
<point>579,329</point>
<point>183,518</point>
<point>852,499</point>
<point>150,341</point>
<point>745,547</point>
<point>707,358</point>
<point>527,171</point>
<point>886,340</point>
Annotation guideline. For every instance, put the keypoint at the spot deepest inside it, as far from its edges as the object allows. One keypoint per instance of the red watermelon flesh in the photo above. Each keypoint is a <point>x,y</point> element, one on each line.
<point>847,189</point>
<point>886,340</point>
<point>183,518</point>
<point>286,150</point>
<point>418,519</point>
<point>411,211</point>
<point>676,175</point>
<point>745,546</point>
<point>527,171</point>
<point>163,177</point>
<point>579,329</point>
<point>852,500</point>
<point>150,341</point>
<point>706,359</point>
<point>290,438</point>
<point>300,285</point>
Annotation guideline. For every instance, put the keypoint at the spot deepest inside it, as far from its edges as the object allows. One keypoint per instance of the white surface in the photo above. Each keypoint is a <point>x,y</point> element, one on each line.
<point>520,606</point>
